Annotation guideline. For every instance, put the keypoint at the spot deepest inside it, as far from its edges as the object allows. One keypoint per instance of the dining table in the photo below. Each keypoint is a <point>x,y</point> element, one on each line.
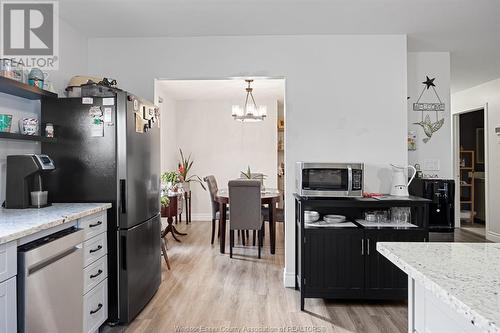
<point>268,196</point>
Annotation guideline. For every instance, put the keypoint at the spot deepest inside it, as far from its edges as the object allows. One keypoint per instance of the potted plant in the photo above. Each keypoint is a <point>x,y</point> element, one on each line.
<point>184,167</point>
<point>164,202</point>
<point>257,176</point>
<point>170,181</point>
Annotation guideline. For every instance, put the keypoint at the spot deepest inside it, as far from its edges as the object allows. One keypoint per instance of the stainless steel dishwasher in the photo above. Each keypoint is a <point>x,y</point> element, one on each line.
<point>50,283</point>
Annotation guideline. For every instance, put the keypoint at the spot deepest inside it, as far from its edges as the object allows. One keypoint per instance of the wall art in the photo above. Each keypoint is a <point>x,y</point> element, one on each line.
<point>427,109</point>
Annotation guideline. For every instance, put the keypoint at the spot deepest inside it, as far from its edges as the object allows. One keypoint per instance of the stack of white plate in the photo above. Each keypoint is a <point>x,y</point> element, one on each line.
<point>310,216</point>
<point>334,218</point>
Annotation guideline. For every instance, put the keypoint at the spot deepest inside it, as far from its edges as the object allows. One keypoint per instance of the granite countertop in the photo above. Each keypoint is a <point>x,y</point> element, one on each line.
<point>465,276</point>
<point>18,223</point>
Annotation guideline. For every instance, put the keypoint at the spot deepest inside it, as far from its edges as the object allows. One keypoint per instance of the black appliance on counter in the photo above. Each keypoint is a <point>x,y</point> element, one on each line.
<point>24,175</point>
<point>442,208</point>
<point>108,150</point>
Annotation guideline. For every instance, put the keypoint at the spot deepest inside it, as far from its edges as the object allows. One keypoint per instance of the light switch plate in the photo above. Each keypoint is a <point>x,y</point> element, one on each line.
<point>431,165</point>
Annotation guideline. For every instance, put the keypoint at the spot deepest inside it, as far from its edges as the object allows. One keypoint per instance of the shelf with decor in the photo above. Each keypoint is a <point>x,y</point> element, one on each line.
<point>467,167</point>
<point>24,137</point>
<point>21,89</point>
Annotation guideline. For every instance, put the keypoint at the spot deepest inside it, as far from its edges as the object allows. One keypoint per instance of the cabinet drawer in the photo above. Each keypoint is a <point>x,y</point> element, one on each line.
<point>8,307</point>
<point>95,307</point>
<point>94,273</point>
<point>93,224</point>
<point>94,248</point>
<point>8,260</point>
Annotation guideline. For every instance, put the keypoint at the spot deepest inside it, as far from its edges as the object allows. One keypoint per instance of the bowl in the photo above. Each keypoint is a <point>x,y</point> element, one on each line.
<point>334,218</point>
<point>310,216</point>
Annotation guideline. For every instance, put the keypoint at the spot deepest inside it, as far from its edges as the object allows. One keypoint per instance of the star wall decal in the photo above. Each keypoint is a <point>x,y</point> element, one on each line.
<point>429,82</point>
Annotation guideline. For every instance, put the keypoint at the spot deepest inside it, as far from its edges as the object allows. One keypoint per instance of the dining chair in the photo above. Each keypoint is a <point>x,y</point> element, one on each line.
<point>245,209</point>
<point>212,190</point>
<point>279,217</point>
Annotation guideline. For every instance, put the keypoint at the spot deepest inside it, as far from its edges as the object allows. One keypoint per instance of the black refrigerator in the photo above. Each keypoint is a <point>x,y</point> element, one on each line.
<point>107,149</point>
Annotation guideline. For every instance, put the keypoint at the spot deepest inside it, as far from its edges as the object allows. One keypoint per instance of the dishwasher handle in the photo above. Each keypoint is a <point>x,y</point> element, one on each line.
<point>43,252</point>
<point>42,264</point>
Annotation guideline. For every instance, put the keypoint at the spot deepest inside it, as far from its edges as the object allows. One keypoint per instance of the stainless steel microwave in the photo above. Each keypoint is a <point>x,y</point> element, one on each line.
<point>329,179</point>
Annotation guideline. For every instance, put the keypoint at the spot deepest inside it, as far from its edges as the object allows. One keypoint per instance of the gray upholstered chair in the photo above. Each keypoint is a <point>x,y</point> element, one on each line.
<point>245,209</point>
<point>212,190</point>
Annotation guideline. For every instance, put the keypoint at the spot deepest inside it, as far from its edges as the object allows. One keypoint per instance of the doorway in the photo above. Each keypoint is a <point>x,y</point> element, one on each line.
<point>471,165</point>
<point>198,117</point>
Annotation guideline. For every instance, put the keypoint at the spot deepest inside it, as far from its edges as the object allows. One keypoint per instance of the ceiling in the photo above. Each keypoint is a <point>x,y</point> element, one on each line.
<point>469,29</point>
<point>222,89</point>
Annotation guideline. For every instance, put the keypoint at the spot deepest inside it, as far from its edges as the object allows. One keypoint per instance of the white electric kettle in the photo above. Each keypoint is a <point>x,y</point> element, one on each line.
<point>400,181</point>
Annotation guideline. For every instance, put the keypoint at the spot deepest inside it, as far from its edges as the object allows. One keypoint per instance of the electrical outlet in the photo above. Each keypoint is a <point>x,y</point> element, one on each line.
<point>431,165</point>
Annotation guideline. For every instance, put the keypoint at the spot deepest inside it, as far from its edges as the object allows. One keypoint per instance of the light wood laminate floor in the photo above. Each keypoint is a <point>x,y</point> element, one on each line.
<point>208,290</point>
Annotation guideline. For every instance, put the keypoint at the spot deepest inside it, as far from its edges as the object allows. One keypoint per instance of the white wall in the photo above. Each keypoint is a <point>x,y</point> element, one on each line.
<point>477,97</point>
<point>439,147</point>
<point>223,147</point>
<point>169,146</point>
<point>73,60</point>
<point>72,56</point>
<point>345,94</point>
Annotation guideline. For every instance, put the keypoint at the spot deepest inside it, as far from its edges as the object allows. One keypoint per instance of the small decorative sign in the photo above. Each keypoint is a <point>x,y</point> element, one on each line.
<point>428,106</point>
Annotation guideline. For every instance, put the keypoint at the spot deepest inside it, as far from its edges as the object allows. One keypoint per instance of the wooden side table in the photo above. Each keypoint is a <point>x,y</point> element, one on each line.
<point>170,212</point>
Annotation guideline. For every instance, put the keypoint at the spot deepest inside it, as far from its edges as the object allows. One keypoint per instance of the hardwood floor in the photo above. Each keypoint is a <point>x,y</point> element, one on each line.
<point>208,290</point>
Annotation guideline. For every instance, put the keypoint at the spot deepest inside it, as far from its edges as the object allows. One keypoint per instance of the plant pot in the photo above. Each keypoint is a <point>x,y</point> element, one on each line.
<point>186,186</point>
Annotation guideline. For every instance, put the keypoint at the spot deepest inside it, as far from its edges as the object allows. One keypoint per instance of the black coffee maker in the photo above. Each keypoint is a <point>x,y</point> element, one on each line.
<point>442,207</point>
<point>24,181</point>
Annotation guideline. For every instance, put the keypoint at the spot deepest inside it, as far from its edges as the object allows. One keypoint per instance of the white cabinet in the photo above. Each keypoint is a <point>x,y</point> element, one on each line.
<point>94,224</point>
<point>8,306</point>
<point>428,314</point>
<point>8,260</point>
<point>95,271</point>
<point>94,248</point>
<point>95,307</point>
<point>8,292</point>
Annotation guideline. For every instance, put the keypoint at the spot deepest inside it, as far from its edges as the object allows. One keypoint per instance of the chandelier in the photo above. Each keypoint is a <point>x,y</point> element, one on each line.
<point>249,112</point>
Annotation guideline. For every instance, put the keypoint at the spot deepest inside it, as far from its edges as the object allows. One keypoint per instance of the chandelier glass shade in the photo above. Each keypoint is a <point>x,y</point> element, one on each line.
<point>250,112</point>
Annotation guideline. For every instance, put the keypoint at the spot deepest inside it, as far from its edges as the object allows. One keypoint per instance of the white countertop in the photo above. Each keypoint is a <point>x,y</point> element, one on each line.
<point>465,276</point>
<point>18,223</point>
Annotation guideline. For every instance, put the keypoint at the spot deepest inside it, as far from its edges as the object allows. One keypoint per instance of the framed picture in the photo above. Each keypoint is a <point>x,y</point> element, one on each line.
<point>412,140</point>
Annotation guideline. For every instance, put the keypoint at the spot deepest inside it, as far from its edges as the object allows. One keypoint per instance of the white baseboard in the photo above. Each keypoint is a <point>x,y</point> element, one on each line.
<point>493,236</point>
<point>201,217</point>
<point>288,279</point>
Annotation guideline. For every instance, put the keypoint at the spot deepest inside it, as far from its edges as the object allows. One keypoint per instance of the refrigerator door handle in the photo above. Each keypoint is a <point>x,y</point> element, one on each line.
<point>123,196</point>
<point>124,253</point>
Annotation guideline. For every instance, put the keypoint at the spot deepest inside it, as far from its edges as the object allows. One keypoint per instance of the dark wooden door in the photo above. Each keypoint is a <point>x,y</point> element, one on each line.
<point>383,280</point>
<point>334,263</point>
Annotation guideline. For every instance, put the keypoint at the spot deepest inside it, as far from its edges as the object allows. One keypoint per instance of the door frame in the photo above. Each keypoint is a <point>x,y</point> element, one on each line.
<point>289,234</point>
<point>456,162</point>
